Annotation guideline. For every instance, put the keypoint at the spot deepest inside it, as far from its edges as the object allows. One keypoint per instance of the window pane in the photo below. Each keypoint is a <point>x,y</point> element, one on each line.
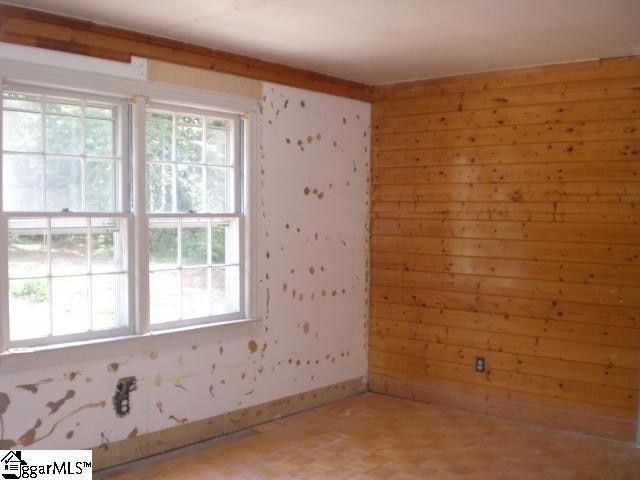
<point>65,107</point>
<point>163,244</point>
<point>219,189</point>
<point>107,245</point>
<point>20,101</point>
<point>188,143</point>
<point>22,132</point>
<point>225,284</point>
<point>100,111</point>
<point>217,146</point>
<point>164,295</point>
<point>70,305</point>
<point>189,188</point>
<point>158,144</point>
<point>64,184</point>
<point>218,243</point>
<point>100,186</point>
<point>195,293</point>
<point>106,293</point>
<point>28,308</point>
<point>27,248</point>
<point>189,120</point>
<point>224,241</point>
<point>159,188</point>
<point>23,182</point>
<point>99,138</point>
<point>194,243</point>
<point>64,135</point>
<point>68,246</point>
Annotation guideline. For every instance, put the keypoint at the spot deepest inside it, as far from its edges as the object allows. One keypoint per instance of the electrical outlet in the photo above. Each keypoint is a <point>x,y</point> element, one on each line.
<point>480,364</point>
<point>121,401</point>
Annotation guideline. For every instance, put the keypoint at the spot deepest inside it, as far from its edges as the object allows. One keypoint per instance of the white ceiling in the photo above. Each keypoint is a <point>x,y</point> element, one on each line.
<point>382,41</point>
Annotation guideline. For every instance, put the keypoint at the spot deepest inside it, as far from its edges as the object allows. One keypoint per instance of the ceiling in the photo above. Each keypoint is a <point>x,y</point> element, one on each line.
<point>382,41</point>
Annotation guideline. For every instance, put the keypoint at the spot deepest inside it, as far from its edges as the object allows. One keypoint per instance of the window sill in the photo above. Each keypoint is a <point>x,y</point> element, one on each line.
<point>17,359</point>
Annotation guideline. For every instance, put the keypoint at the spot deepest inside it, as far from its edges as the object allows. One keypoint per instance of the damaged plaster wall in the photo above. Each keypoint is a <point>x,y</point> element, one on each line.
<point>312,254</point>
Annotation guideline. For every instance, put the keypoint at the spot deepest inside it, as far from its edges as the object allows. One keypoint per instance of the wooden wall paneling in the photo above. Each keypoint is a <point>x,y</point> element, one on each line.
<point>505,224</point>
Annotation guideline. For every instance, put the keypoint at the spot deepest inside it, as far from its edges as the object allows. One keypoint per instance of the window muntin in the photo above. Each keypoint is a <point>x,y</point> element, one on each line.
<point>193,204</point>
<point>62,196</point>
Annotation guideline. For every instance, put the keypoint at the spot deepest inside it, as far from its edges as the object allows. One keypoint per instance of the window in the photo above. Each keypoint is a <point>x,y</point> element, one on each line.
<point>62,171</point>
<point>193,204</point>
<point>69,217</point>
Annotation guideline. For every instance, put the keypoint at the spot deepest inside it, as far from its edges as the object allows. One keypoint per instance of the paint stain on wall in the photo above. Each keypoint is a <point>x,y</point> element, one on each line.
<point>55,406</point>
<point>5,401</point>
<point>113,367</point>
<point>29,437</point>
<point>33,387</point>
<point>178,420</point>
<point>306,327</point>
<point>253,346</point>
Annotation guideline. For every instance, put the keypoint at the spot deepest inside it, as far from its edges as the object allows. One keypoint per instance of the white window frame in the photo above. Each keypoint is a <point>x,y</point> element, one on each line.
<point>140,94</point>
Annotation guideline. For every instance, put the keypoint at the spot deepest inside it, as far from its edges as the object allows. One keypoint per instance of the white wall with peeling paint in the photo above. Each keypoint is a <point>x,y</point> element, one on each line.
<point>313,253</point>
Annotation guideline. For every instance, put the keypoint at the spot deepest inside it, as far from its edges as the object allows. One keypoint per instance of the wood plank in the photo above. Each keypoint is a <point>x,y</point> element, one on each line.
<point>624,171</point>
<point>547,411</point>
<point>617,192</point>
<point>512,287</point>
<point>616,109</point>
<point>34,28</point>
<point>524,307</point>
<point>606,150</point>
<point>420,358</point>
<point>553,93</point>
<point>601,70</point>
<point>586,273</point>
<point>603,355</point>
<point>398,347</point>
<point>515,249</point>
<point>496,229</point>
<point>607,396</point>
<point>608,335</point>
<point>562,214</point>
<point>488,391</point>
<point>625,129</point>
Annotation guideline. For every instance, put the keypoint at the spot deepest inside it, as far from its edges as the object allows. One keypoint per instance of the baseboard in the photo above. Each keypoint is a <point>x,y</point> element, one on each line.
<point>153,443</point>
<point>562,419</point>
